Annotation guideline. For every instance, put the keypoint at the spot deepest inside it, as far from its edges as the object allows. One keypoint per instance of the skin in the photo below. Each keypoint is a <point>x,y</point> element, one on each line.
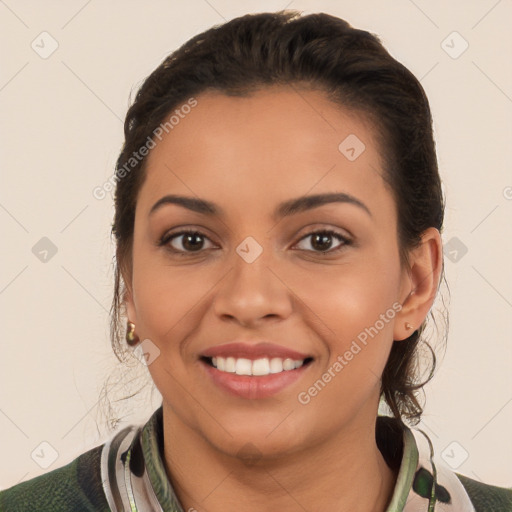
<point>247,155</point>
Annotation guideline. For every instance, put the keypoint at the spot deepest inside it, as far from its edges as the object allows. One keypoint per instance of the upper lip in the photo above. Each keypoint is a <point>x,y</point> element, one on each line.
<point>253,351</point>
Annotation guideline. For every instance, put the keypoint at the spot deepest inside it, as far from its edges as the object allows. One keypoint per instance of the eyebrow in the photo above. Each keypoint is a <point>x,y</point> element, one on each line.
<point>284,209</point>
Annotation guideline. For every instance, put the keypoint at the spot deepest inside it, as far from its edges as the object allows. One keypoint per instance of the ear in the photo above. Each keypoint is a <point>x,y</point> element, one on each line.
<point>420,283</point>
<point>129,305</point>
<point>127,296</point>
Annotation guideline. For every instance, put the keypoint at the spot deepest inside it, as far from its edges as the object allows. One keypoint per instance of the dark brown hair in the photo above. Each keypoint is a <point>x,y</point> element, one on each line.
<point>320,52</point>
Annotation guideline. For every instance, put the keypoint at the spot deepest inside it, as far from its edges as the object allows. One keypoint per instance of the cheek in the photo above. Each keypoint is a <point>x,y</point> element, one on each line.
<point>358,304</point>
<point>167,298</point>
<point>350,297</point>
<point>170,302</point>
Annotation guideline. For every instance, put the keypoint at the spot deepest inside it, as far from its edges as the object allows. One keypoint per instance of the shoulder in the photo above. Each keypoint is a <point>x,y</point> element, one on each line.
<point>76,486</point>
<point>433,480</point>
<point>485,497</point>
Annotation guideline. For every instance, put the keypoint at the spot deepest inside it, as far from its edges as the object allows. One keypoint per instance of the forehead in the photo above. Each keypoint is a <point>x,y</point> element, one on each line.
<point>277,143</point>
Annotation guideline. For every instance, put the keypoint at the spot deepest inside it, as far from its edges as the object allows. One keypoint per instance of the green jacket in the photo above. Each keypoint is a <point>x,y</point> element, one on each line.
<point>127,473</point>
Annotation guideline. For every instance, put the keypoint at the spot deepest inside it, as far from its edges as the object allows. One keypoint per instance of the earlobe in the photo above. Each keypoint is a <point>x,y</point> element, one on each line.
<point>127,296</point>
<point>420,284</point>
<point>129,305</point>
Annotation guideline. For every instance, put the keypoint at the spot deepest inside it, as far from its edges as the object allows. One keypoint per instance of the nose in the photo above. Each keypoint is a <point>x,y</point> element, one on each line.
<point>253,292</point>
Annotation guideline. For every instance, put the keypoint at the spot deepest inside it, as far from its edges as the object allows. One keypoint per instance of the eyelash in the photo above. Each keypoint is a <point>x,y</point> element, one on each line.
<point>164,241</point>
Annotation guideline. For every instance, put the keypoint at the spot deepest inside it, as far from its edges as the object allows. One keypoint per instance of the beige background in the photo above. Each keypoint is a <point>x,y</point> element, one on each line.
<point>61,133</point>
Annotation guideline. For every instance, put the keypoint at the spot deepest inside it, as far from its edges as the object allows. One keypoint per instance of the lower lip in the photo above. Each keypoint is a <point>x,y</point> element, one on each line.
<point>254,387</point>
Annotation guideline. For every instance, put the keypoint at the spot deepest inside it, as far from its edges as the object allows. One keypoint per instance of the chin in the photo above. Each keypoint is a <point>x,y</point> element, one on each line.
<point>258,438</point>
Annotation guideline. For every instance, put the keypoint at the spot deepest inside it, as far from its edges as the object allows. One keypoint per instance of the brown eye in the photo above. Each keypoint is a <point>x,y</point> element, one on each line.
<point>321,241</point>
<point>185,241</point>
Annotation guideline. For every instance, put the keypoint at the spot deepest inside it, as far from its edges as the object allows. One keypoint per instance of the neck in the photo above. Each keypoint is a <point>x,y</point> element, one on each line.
<point>348,471</point>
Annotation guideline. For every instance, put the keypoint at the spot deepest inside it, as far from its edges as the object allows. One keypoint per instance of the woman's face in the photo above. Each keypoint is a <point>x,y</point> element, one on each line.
<point>256,286</point>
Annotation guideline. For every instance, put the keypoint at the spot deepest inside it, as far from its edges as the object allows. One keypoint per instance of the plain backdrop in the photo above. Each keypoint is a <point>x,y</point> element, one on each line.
<point>67,71</point>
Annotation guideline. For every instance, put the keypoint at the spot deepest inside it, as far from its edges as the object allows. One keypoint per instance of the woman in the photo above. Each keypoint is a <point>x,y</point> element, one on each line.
<point>278,218</point>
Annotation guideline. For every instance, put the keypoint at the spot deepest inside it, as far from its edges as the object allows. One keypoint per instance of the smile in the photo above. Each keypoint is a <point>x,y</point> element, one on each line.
<point>258,367</point>
<point>254,370</point>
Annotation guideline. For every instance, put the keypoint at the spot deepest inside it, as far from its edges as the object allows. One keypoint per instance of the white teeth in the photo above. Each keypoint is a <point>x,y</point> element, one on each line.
<point>288,364</point>
<point>258,367</point>
<point>243,366</point>
<point>276,365</point>
<point>230,365</point>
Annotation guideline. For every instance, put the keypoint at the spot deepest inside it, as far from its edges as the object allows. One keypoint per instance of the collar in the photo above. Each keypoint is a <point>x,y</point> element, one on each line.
<point>134,476</point>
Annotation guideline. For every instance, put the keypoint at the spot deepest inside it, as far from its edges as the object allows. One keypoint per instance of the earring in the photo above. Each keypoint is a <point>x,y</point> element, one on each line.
<point>131,338</point>
<point>408,326</point>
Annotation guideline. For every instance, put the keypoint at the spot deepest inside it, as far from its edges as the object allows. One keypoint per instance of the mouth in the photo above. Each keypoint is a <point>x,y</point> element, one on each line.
<point>253,371</point>
<point>260,367</point>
